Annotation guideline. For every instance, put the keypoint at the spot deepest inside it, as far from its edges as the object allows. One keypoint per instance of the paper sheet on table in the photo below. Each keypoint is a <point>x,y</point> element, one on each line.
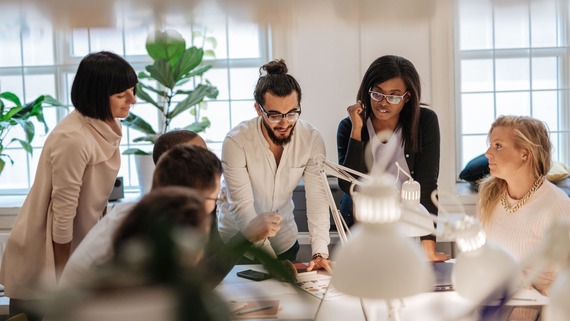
<point>244,290</point>
<point>318,285</point>
<point>528,297</point>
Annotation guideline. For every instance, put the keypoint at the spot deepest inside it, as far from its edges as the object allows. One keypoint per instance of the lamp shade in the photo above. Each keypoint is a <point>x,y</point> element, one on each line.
<point>378,262</point>
<point>559,307</point>
<point>479,272</point>
<point>415,221</point>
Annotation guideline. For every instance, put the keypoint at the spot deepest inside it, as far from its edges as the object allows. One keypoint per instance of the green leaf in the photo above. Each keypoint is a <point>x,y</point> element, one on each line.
<point>52,101</point>
<point>161,71</point>
<point>167,45</point>
<point>190,59</point>
<point>11,97</point>
<point>199,71</point>
<point>25,145</point>
<point>212,41</point>
<point>199,126</point>
<point>142,94</point>
<point>210,53</point>
<point>147,138</point>
<point>135,151</point>
<point>160,93</point>
<point>137,123</point>
<point>11,112</point>
<point>193,98</point>
<point>28,128</point>
<point>2,164</point>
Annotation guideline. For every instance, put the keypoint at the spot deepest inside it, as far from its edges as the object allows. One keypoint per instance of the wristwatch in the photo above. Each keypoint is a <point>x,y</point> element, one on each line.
<point>317,255</point>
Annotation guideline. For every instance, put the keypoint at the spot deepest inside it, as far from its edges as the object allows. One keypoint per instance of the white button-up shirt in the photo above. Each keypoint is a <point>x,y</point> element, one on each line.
<point>255,184</point>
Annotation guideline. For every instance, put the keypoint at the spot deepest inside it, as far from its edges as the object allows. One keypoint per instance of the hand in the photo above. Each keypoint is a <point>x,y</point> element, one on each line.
<point>263,226</point>
<point>432,255</point>
<point>320,263</point>
<point>356,114</point>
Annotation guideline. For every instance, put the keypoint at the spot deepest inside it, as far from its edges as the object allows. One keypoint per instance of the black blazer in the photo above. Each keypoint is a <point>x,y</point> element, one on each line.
<point>423,165</point>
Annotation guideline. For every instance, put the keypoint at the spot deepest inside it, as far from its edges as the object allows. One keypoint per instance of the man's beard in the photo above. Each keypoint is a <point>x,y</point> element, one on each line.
<point>276,140</point>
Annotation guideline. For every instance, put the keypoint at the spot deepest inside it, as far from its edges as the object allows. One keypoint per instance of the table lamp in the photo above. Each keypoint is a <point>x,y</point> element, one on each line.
<point>379,261</point>
<point>554,250</point>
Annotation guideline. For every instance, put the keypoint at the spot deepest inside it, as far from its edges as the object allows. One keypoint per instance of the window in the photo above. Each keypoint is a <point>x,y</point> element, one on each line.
<point>43,59</point>
<point>512,58</point>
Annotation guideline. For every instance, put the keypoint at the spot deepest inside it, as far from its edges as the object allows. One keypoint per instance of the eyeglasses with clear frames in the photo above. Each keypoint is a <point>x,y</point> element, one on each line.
<point>391,99</point>
<point>276,117</point>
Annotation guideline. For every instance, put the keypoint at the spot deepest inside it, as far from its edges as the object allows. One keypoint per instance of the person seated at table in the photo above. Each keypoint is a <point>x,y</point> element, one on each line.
<point>516,204</point>
<point>183,165</point>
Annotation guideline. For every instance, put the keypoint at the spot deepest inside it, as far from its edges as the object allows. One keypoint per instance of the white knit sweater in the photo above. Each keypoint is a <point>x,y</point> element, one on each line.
<point>521,232</point>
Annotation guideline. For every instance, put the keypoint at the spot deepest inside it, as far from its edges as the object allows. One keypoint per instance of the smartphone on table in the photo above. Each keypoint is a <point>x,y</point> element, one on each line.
<point>254,275</point>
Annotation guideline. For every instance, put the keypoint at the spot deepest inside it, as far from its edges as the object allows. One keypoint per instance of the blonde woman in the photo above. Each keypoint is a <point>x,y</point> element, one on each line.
<point>516,202</point>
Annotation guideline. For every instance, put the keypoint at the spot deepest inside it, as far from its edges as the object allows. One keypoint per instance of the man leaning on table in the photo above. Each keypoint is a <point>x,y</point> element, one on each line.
<point>265,158</point>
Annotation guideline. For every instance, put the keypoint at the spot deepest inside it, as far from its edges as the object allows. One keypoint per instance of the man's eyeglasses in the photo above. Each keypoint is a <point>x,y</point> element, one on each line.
<point>275,117</point>
<point>391,99</point>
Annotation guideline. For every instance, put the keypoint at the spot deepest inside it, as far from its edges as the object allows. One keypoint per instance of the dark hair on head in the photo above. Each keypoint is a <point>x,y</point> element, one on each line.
<point>99,76</point>
<point>390,67</point>
<point>188,165</point>
<point>161,211</point>
<point>277,81</point>
<point>170,139</point>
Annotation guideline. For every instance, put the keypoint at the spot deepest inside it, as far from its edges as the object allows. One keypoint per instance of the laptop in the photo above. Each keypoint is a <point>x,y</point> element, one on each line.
<point>443,276</point>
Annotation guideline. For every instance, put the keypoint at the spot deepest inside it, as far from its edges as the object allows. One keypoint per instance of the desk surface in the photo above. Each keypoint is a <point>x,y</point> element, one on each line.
<point>298,305</point>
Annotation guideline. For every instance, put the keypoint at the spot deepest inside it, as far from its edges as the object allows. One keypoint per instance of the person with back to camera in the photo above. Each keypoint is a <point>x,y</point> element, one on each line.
<point>75,176</point>
<point>516,204</point>
<point>264,160</point>
<point>181,161</point>
<point>389,99</point>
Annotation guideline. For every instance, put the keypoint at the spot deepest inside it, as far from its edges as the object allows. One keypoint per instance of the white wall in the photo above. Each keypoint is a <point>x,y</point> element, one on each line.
<point>328,45</point>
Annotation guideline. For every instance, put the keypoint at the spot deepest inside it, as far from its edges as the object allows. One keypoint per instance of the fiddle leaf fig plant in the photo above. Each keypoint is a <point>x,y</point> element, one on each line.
<point>174,68</point>
<point>15,114</point>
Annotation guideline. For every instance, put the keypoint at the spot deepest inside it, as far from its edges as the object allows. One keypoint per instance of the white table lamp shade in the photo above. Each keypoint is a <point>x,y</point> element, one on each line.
<point>379,262</point>
<point>478,273</point>
<point>559,307</point>
<point>415,221</point>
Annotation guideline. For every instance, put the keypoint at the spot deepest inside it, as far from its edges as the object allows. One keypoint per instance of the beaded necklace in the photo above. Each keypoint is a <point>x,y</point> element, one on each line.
<point>519,204</point>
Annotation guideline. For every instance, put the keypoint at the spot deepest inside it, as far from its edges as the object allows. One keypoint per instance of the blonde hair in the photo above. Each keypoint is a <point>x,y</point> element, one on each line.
<point>528,133</point>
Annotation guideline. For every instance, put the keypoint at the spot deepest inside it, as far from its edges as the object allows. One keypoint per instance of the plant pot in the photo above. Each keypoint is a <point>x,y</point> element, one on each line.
<point>145,170</point>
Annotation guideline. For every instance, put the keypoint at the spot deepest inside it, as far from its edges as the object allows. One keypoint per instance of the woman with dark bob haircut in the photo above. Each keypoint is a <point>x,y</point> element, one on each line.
<point>389,99</point>
<point>75,175</point>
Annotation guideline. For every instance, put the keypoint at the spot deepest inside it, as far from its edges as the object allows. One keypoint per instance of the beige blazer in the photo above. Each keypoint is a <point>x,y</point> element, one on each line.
<point>75,175</point>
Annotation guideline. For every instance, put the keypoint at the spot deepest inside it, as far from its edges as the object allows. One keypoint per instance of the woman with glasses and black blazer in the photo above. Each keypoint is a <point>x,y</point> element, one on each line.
<point>389,100</point>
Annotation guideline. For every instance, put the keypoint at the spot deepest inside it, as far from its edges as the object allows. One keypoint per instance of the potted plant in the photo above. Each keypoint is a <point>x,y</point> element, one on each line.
<point>20,115</point>
<point>162,86</point>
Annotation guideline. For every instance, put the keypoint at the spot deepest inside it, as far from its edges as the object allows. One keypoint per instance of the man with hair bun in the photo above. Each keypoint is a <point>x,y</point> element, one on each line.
<point>265,158</point>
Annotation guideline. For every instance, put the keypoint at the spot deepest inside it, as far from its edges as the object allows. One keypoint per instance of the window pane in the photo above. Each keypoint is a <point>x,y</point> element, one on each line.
<point>12,84</point>
<point>512,74</point>
<point>475,25</point>
<point>15,176</point>
<point>511,25</point>
<point>513,104</point>
<point>10,36</point>
<point>37,85</point>
<point>147,112</point>
<point>50,116</point>
<point>37,39</point>
<point>545,73</point>
<point>243,40</point>
<point>477,146</point>
<point>79,42</point>
<point>545,107</point>
<point>556,140</point>
<point>476,75</point>
<point>543,23</point>
<point>219,114</point>
<point>243,82</point>
<point>242,110</point>
<point>106,39</point>
<point>138,24</point>
<point>219,78</point>
<point>477,113</point>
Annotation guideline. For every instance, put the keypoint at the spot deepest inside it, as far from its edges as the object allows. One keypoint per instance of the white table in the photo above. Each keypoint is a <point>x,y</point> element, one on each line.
<point>298,305</point>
